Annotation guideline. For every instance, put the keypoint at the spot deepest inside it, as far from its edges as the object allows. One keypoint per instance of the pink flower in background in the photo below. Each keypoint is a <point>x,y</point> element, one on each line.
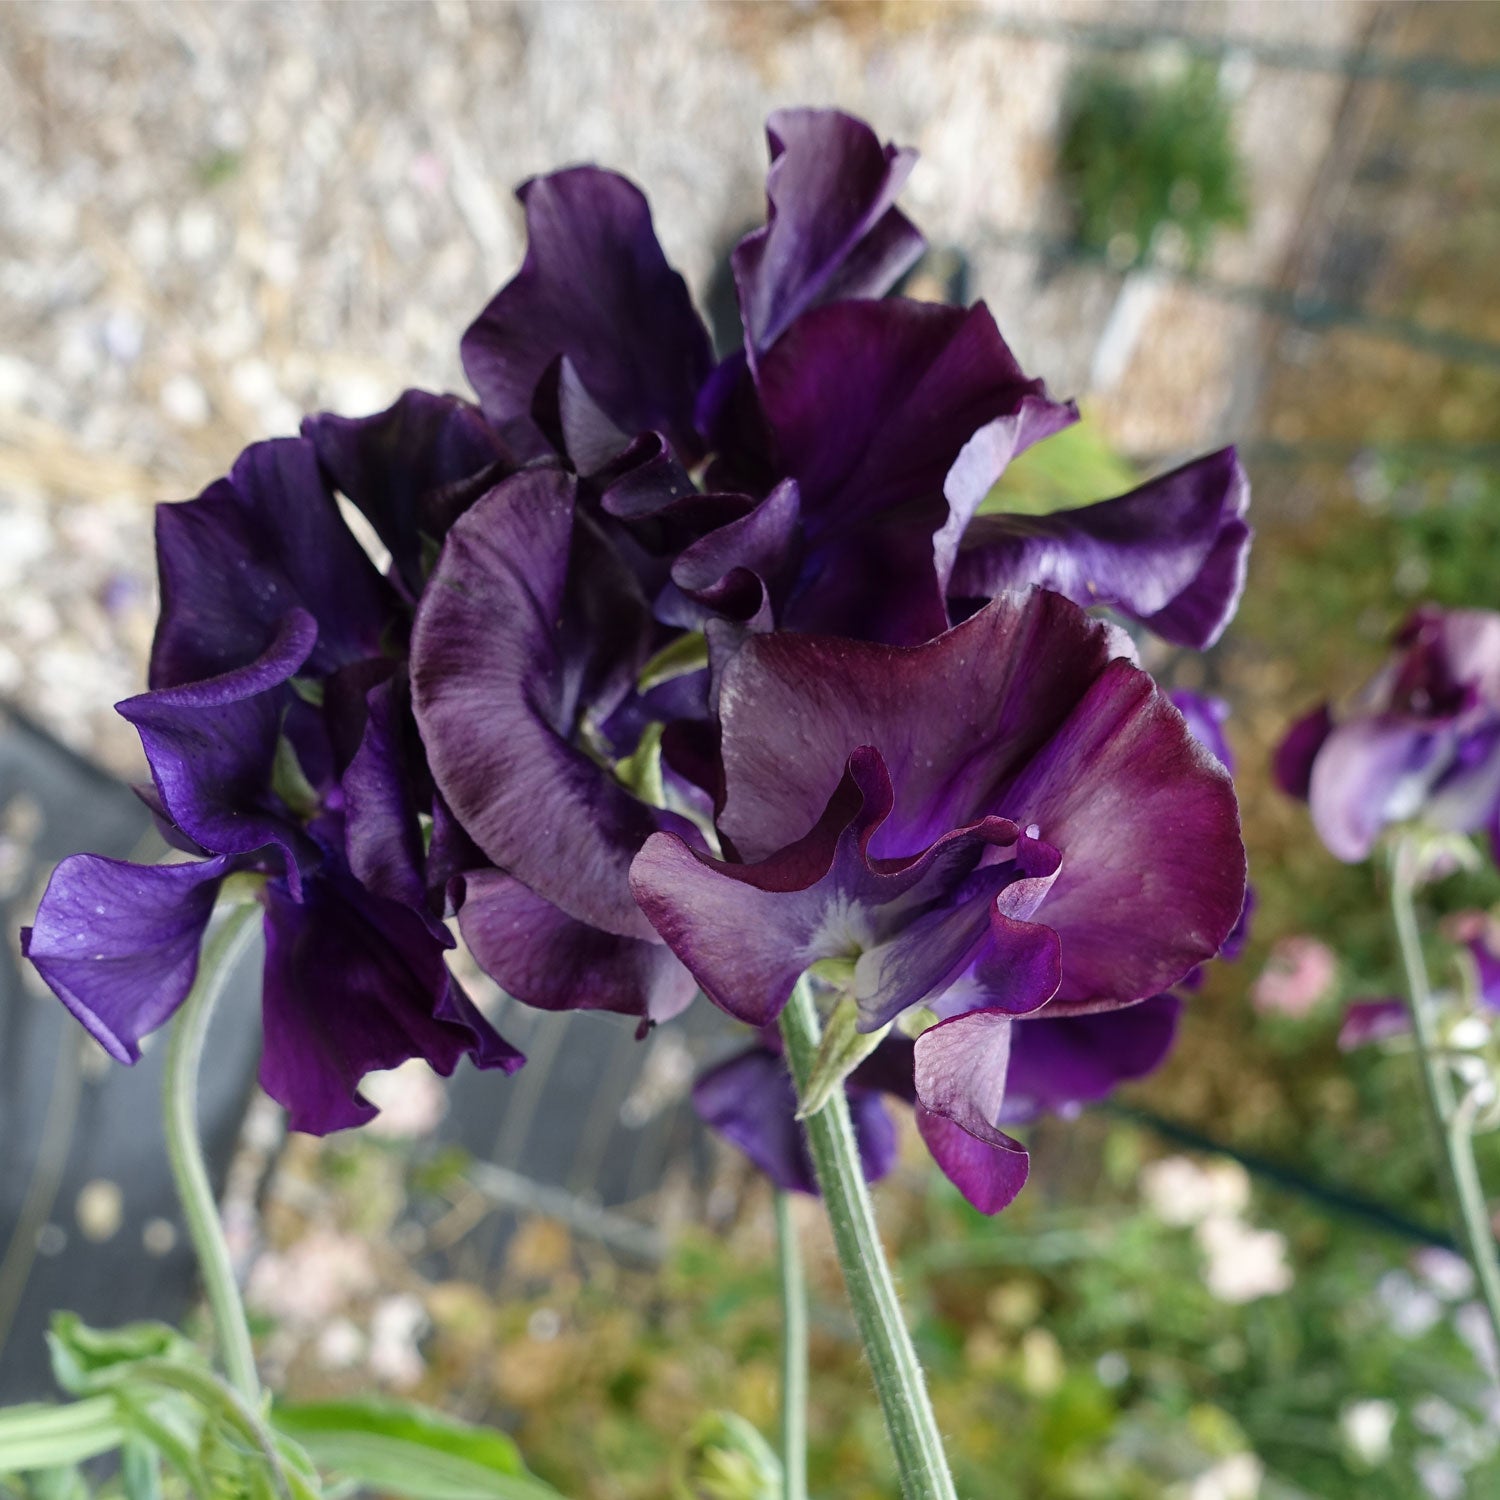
<point>1299,974</point>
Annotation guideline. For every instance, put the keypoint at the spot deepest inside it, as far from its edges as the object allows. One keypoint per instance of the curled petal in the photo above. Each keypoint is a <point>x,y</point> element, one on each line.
<point>543,957</point>
<point>355,984</point>
<point>596,288</point>
<point>750,1101</point>
<point>118,943</point>
<point>212,747</point>
<point>1170,554</point>
<point>988,1168</point>
<point>251,548</point>
<point>528,625</point>
<point>831,230</point>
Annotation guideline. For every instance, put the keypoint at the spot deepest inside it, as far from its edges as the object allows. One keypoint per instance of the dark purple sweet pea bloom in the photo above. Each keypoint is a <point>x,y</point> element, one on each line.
<point>1005,818</point>
<point>1421,742</point>
<point>281,746</point>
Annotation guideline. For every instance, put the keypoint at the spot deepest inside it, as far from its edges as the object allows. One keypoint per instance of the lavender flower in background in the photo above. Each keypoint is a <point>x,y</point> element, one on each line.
<point>1420,743</point>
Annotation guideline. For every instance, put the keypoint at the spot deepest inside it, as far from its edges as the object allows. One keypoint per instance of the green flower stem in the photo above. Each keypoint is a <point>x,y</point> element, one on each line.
<point>899,1383</point>
<point>233,930</point>
<point>793,1355</point>
<point>1452,1120</point>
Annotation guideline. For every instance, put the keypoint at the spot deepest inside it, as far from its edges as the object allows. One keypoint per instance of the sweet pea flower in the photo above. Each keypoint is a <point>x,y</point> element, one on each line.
<point>1420,742</point>
<point>1008,817</point>
<point>279,737</point>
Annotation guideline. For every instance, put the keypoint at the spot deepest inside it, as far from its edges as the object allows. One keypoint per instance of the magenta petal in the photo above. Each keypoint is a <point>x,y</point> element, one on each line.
<point>750,1101</point>
<point>212,747</point>
<point>252,547</point>
<point>1171,553</point>
<point>1056,1064</point>
<point>354,984</point>
<point>543,957</point>
<point>118,943</point>
<point>514,642</point>
<point>832,231</point>
<point>596,288</point>
<point>960,1081</point>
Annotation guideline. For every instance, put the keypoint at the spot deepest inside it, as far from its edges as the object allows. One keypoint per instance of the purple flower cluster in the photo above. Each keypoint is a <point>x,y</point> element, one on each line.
<point>687,674</point>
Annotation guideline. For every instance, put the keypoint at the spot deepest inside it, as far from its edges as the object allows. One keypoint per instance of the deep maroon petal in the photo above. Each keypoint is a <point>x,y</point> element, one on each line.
<point>750,1101</point>
<point>355,984</point>
<point>401,466</point>
<point>540,955</point>
<point>871,403</point>
<point>1153,874</point>
<point>264,541</point>
<point>1056,1064</point>
<point>961,1068</point>
<point>952,718</point>
<point>1293,764</point>
<point>831,228</point>
<point>595,287</point>
<point>1171,553</point>
<point>212,747</point>
<point>515,642</point>
<point>118,943</point>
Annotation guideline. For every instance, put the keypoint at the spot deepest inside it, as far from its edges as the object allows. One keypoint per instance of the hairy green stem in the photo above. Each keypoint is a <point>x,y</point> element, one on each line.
<point>793,1355</point>
<point>1452,1120</point>
<point>899,1383</point>
<point>233,930</point>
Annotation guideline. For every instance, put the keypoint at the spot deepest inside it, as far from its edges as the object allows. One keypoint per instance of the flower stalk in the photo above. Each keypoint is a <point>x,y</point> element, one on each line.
<point>185,1150</point>
<point>793,1354</point>
<point>899,1382</point>
<point>1452,1119</point>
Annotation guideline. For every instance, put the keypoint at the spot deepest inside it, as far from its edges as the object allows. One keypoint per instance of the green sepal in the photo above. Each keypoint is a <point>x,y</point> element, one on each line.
<point>843,1049</point>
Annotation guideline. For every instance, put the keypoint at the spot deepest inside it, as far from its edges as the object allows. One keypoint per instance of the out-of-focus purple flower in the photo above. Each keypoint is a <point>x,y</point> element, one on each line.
<point>1005,818</point>
<point>1420,743</point>
<point>1299,974</point>
<point>1484,954</point>
<point>1206,718</point>
<point>1369,1021</point>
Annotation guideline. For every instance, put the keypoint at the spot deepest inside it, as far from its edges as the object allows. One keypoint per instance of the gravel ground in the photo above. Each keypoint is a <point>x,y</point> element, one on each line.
<point>215,217</point>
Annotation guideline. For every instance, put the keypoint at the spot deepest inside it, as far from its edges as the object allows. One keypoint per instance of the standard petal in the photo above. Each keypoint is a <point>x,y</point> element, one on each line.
<point>355,984</point>
<point>264,541</point>
<point>952,718</point>
<point>1170,554</point>
<point>543,957</point>
<point>212,748</point>
<point>750,1101</point>
<point>595,287</point>
<point>1057,1064</point>
<point>528,626</point>
<point>831,228</point>
<point>118,943</point>
<point>403,466</point>
<point>871,403</point>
